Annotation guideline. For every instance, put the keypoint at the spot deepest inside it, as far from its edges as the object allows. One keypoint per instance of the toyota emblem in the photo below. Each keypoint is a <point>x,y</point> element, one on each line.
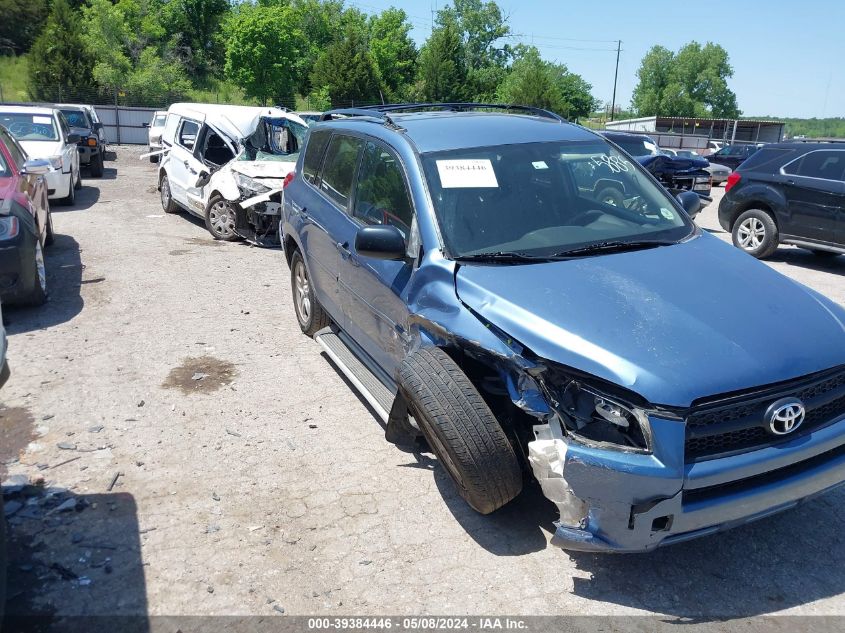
<point>785,415</point>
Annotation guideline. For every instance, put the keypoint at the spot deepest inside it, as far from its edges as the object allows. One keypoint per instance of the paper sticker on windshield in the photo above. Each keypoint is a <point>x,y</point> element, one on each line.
<point>666,213</point>
<point>43,120</point>
<point>540,164</point>
<point>474,172</point>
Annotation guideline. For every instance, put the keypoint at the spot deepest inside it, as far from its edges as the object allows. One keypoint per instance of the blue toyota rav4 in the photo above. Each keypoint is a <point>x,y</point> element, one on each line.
<point>457,264</point>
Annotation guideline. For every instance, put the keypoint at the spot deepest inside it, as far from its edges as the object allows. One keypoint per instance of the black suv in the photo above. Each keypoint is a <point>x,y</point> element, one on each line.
<point>91,145</point>
<point>733,155</point>
<point>788,193</point>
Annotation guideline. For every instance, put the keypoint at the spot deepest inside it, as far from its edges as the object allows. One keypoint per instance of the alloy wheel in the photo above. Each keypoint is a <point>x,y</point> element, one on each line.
<point>751,233</point>
<point>302,290</point>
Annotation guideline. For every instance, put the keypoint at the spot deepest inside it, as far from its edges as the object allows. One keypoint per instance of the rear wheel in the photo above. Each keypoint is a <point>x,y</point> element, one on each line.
<point>756,233</point>
<point>77,184</point>
<point>38,295</point>
<point>310,314</point>
<point>166,198</point>
<point>461,430</point>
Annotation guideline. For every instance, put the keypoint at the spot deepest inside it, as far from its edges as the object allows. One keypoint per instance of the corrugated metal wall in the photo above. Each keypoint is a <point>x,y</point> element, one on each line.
<point>125,125</point>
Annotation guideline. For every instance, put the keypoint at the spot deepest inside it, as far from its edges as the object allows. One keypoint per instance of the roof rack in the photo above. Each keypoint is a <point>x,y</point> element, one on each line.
<point>381,112</point>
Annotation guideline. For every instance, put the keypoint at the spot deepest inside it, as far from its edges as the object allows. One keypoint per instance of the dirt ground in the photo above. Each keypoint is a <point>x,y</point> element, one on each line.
<point>174,445</point>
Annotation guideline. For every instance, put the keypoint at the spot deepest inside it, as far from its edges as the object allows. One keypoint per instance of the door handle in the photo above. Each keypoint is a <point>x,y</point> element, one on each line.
<point>186,164</point>
<point>790,181</point>
<point>343,247</point>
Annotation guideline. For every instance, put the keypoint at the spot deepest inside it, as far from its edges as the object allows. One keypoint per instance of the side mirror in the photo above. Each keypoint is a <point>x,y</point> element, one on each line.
<point>202,179</point>
<point>73,138</point>
<point>690,202</point>
<point>380,242</point>
<point>36,166</point>
<point>145,124</point>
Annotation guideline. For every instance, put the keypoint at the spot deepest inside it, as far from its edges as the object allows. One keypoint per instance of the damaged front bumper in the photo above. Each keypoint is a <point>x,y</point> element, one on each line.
<point>613,501</point>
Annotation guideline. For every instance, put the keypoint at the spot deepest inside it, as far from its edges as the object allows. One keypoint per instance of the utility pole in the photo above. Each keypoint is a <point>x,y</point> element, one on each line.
<point>615,77</point>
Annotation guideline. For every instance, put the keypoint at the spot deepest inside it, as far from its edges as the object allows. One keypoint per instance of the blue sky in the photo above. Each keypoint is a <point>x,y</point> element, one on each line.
<point>787,56</point>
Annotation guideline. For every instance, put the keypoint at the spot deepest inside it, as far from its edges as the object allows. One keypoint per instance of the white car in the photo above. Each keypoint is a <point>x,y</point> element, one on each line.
<point>156,127</point>
<point>227,165</point>
<point>44,133</point>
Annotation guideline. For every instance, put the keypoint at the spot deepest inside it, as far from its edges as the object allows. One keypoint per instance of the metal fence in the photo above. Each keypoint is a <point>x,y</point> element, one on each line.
<point>124,124</point>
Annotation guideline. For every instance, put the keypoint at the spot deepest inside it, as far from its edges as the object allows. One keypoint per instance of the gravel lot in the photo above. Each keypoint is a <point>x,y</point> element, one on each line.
<point>252,479</point>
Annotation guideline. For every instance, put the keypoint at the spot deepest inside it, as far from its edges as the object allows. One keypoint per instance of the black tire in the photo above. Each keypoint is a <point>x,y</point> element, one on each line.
<point>70,198</point>
<point>166,199</point>
<point>755,232</point>
<point>824,254</point>
<point>49,236</point>
<point>38,295</point>
<point>220,220</point>
<point>97,166</point>
<point>461,430</point>
<point>611,196</point>
<point>309,313</point>
<point>78,183</point>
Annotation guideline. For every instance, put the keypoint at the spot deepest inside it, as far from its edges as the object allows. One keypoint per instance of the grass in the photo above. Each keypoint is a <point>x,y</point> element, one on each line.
<point>220,92</point>
<point>14,78</point>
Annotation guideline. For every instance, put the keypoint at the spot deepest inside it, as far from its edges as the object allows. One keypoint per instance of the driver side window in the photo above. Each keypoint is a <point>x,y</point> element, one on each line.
<point>381,196</point>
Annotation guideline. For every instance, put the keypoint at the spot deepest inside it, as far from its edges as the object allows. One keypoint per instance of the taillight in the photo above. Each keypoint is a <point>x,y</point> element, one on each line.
<point>732,180</point>
<point>288,179</point>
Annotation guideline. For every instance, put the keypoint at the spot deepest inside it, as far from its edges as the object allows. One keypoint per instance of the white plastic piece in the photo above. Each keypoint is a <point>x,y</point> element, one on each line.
<point>547,458</point>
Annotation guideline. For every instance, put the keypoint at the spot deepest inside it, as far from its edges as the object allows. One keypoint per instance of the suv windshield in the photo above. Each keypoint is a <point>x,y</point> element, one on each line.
<point>76,118</point>
<point>29,127</point>
<point>544,199</point>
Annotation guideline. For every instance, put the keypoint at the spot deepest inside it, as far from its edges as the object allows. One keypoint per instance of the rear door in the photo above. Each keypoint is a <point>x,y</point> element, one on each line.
<point>183,167</point>
<point>814,186</point>
<point>372,290</point>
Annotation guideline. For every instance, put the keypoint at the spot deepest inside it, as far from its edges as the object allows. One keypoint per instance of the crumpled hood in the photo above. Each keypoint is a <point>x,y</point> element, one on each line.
<point>671,164</point>
<point>41,149</point>
<point>672,323</point>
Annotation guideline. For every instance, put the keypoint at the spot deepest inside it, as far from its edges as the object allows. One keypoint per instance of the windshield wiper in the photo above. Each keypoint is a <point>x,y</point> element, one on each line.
<point>611,247</point>
<point>502,256</point>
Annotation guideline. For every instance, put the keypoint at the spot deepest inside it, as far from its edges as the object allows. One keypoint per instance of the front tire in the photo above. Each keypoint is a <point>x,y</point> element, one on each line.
<point>220,220</point>
<point>310,314</point>
<point>49,236</point>
<point>70,198</point>
<point>756,233</point>
<point>97,166</point>
<point>461,430</point>
<point>167,202</point>
<point>78,182</point>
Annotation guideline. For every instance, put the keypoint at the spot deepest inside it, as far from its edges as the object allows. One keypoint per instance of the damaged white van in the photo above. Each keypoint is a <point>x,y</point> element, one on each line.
<point>227,164</point>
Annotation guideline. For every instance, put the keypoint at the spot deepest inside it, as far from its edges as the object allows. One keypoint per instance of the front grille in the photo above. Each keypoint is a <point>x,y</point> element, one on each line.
<point>737,424</point>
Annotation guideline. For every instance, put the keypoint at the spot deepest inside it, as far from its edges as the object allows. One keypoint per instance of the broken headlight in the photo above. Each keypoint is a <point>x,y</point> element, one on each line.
<point>249,186</point>
<point>596,417</point>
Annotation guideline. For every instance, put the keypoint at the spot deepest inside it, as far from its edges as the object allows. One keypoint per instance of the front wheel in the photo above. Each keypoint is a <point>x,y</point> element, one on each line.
<point>49,236</point>
<point>461,429</point>
<point>756,233</point>
<point>97,166</point>
<point>220,220</point>
<point>38,295</point>
<point>70,198</point>
<point>310,314</point>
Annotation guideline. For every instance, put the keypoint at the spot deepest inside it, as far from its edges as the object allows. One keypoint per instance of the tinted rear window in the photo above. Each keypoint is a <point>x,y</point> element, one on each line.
<point>827,164</point>
<point>766,159</point>
<point>339,168</point>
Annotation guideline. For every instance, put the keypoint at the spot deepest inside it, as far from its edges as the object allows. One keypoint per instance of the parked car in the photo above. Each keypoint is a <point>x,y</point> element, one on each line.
<point>788,193</point>
<point>733,155</point>
<point>156,128</point>
<point>718,173</point>
<point>91,111</point>
<point>45,133</point>
<point>675,173</point>
<point>226,164</point>
<point>26,225</point>
<point>451,265</point>
<point>4,555</point>
<point>711,147</point>
<point>92,148</point>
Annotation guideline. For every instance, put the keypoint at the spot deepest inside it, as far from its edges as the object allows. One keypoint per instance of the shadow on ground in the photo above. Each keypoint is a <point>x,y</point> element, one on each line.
<point>74,561</point>
<point>63,261</point>
<point>805,259</point>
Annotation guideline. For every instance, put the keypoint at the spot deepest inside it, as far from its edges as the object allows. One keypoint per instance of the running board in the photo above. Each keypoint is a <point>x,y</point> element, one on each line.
<point>379,397</point>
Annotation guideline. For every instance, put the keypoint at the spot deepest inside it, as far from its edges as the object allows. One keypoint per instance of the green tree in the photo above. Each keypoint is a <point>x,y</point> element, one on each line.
<point>482,27</point>
<point>59,66</point>
<point>442,72</point>
<point>21,23</point>
<point>195,29</point>
<point>347,69</point>
<point>393,51</point>
<point>536,82</point>
<point>692,82</point>
<point>322,23</point>
<point>263,47</point>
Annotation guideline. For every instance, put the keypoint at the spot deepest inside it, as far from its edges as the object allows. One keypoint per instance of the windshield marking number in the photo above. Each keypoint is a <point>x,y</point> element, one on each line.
<point>615,164</point>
